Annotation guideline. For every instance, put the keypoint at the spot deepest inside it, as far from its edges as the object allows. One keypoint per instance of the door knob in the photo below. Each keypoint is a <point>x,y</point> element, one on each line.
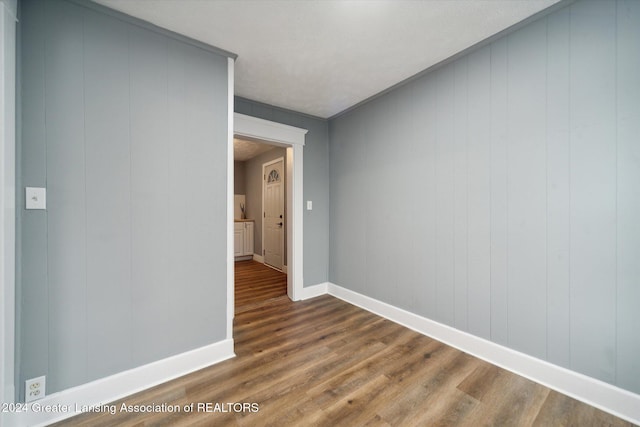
<point>280,224</point>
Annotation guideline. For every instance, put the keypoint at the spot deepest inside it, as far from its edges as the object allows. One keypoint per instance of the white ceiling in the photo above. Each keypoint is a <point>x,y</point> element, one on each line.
<point>322,57</point>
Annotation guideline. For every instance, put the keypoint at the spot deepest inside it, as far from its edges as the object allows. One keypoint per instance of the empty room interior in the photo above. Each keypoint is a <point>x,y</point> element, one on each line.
<point>340,212</point>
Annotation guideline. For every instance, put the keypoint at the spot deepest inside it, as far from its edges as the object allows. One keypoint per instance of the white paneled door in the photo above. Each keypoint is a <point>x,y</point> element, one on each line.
<point>273,217</point>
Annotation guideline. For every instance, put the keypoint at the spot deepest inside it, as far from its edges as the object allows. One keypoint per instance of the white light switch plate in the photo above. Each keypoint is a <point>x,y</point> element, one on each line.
<point>36,197</point>
<point>309,205</point>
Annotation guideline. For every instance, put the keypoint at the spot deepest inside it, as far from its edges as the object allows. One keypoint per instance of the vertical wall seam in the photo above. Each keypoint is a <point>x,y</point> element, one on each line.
<point>131,357</point>
<point>436,152</point>
<point>466,197</point>
<point>167,200</point>
<point>46,175</point>
<point>506,187</point>
<point>454,161</point>
<point>615,86</point>
<point>491,136</point>
<point>546,163</point>
<point>86,214</point>
<point>570,135</point>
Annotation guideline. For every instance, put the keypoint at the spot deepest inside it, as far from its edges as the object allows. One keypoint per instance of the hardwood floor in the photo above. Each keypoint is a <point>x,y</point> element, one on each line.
<point>256,283</point>
<point>324,362</point>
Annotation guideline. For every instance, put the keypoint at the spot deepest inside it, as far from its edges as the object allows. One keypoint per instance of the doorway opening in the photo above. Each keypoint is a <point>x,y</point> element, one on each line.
<point>292,138</point>
<point>259,223</point>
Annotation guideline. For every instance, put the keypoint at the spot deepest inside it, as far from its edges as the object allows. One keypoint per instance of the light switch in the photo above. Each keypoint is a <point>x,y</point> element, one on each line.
<point>309,205</point>
<point>36,197</point>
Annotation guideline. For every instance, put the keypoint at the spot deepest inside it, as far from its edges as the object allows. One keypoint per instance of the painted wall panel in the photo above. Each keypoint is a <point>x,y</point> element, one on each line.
<point>499,193</point>
<point>460,194</point>
<point>31,224</point>
<point>593,189</point>
<point>316,189</point>
<point>349,196</point>
<point>108,199</point>
<point>444,200</point>
<point>238,177</point>
<point>479,193</point>
<point>526,189</point>
<point>193,233</point>
<point>558,189</point>
<point>149,134</point>
<point>407,291</point>
<point>402,213</point>
<point>423,219</point>
<point>628,195</point>
<point>66,201</point>
<point>381,201</point>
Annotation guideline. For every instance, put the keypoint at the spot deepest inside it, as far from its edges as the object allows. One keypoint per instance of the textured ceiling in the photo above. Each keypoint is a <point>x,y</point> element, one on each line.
<point>322,57</point>
<point>244,150</point>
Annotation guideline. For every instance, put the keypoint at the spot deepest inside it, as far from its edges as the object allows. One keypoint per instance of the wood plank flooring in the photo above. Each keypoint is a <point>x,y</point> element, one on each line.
<point>324,362</point>
<point>256,283</point>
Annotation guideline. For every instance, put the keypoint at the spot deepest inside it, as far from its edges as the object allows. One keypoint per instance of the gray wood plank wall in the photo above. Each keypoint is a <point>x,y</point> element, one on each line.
<point>127,129</point>
<point>519,165</point>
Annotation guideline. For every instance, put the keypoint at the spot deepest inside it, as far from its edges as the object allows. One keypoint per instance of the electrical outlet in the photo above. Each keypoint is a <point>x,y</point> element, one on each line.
<point>34,389</point>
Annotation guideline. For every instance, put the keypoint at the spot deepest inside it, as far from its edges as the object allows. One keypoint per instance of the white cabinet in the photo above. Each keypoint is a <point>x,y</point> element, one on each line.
<point>243,239</point>
<point>238,239</point>
<point>248,238</point>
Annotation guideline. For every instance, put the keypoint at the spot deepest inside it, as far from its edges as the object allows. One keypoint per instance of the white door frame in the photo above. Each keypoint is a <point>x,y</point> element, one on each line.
<point>253,128</point>
<point>271,162</point>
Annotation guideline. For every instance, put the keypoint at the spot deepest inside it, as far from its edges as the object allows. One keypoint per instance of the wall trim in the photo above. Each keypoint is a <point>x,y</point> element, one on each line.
<point>314,291</point>
<point>258,258</point>
<point>266,130</point>
<point>621,403</point>
<point>114,387</point>
<point>295,228</point>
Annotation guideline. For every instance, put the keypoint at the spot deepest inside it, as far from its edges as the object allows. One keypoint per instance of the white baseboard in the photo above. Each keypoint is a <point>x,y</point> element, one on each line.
<point>313,291</point>
<point>621,403</point>
<point>285,270</point>
<point>123,384</point>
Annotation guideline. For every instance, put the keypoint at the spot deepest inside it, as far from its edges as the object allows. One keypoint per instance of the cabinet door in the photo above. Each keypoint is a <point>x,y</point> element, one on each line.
<point>238,241</point>
<point>248,238</point>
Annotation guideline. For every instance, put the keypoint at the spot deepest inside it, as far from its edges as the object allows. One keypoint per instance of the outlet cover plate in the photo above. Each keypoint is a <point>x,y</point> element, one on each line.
<point>35,389</point>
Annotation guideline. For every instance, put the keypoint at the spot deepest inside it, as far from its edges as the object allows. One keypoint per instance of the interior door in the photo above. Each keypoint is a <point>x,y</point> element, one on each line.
<point>273,217</point>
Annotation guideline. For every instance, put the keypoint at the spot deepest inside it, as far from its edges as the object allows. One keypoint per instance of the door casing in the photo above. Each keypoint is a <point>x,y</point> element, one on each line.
<point>292,138</point>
